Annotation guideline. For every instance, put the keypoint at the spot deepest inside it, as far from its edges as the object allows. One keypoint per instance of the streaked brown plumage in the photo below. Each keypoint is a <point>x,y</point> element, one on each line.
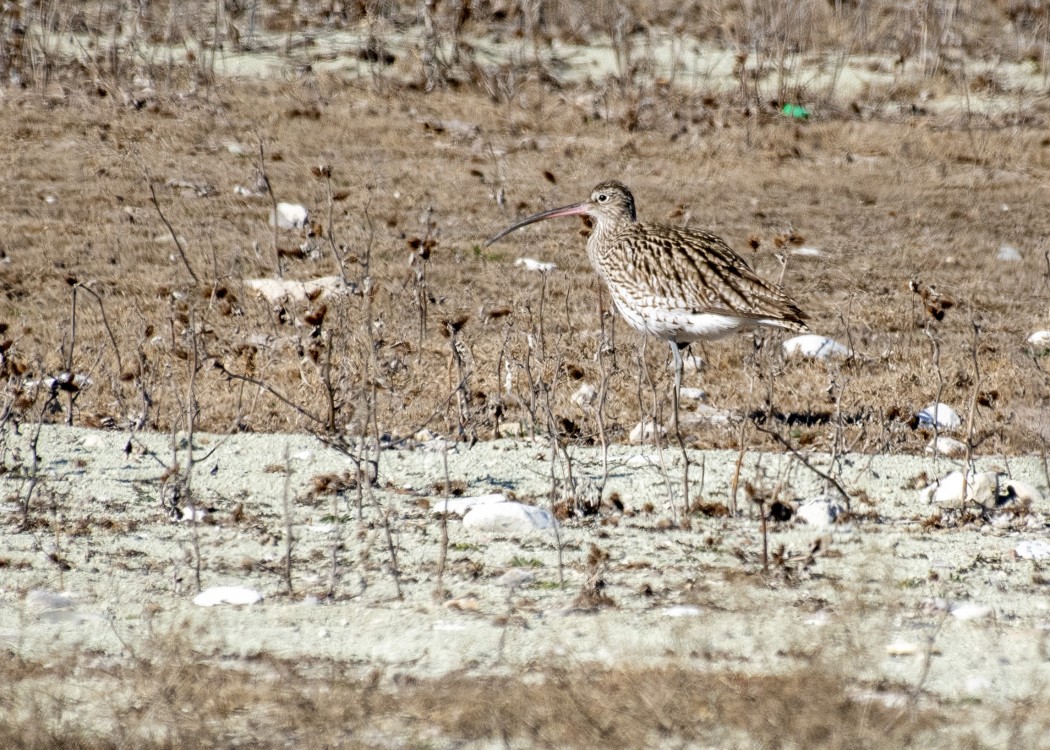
<point>680,285</point>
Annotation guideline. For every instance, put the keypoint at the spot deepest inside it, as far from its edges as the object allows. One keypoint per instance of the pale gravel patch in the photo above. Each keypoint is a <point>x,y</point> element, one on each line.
<point>867,584</point>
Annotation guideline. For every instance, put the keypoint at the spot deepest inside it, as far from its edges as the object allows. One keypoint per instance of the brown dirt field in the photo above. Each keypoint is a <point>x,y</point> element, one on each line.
<point>888,201</point>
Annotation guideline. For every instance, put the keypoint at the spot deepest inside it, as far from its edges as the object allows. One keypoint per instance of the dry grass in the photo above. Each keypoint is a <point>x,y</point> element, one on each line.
<point>174,698</point>
<point>887,201</point>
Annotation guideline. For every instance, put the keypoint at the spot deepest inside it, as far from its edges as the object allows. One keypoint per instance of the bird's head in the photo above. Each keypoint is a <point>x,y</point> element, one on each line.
<point>610,202</point>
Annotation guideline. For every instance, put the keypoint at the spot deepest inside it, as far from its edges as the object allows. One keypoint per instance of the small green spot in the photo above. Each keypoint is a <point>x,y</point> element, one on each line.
<point>487,255</point>
<point>795,110</point>
<point>465,547</point>
<point>525,562</point>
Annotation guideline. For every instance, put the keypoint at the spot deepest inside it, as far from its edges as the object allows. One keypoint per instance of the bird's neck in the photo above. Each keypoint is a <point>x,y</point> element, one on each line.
<point>602,241</point>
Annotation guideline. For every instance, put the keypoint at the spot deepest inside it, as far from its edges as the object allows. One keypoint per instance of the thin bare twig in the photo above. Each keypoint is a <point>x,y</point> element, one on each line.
<point>171,230</point>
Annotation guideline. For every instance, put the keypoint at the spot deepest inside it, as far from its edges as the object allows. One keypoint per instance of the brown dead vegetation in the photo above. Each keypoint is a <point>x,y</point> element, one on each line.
<point>174,699</point>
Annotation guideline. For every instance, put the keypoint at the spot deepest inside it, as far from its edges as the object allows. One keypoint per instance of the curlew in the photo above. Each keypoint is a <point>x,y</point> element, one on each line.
<point>679,285</point>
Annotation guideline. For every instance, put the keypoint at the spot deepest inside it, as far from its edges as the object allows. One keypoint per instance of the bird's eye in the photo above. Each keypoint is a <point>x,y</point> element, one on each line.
<point>602,198</point>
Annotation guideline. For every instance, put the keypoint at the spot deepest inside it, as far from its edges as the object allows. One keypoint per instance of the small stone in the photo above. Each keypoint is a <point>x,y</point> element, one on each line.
<point>516,577</point>
<point>460,505</point>
<point>644,432</point>
<point>424,436</point>
<point>462,603</point>
<point>982,489</point>
<point>290,216</point>
<point>41,600</point>
<point>663,524</point>
<point>1033,549</point>
<point>819,619</point>
<point>1022,492</point>
<point>1040,340</point>
<point>277,291</point>
<point>190,514</point>
<point>820,512</point>
<point>970,611</point>
<point>693,394</point>
<point>584,395</point>
<point>215,595</point>
<point>813,346</point>
<point>692,363</point>
<point>940,415</point>
<point>976,685</point>
<point>531,264</point>
<point>902,648</point>
<point>807,252</point>
<point>683,610</point>
<point>1008,253</point>
<point>508,518</point>
<point>946,446</point>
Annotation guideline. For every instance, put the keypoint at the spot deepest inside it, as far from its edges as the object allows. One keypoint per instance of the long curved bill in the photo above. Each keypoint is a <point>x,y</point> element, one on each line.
<point>575,209</point>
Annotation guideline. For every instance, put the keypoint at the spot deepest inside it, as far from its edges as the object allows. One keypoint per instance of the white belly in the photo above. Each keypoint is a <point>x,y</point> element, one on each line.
<point>681,326</point>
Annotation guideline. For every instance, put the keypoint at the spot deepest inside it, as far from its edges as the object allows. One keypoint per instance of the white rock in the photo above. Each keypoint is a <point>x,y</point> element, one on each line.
<point>976,685</point>
<point>279,290</point>
<point>807,252</point>
<point>1021,492</point>
<point>946,446</point>
<point>817,347</point>
<point>819,511</point>
<point>971,611</point>
<point>683,610</point>
<point>707,414</point>
<point>290,216</point>
<point>584,395</point>
<point>214,595</point>
<point>191,514</point>
<point>1008,253</point>
<point>644,432</point>
<point>902,648</point>
<point>516,577</point>
<point>40,600</point>
<point>692,363</point>
<point>460,505</point>
<point>1040,339</point>
<point>819,619</point>
<point>693,394</point>
<point>92,441</point>
<point>982,488</point>
<point>941,415</point>
<point>508,518</point>
<point>531,264</point>
<point>1033,549</point>
<point>438,445</point>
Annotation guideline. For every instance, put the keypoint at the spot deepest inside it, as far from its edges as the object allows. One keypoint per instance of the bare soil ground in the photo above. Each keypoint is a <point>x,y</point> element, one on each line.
<point>886,202</point>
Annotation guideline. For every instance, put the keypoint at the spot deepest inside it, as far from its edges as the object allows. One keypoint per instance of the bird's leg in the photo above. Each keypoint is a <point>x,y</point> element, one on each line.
<point>676,353</point>
<point>679,365</point>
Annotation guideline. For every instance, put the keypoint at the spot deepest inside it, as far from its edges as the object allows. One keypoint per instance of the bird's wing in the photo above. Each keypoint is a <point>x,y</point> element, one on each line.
<point>699,272</point>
